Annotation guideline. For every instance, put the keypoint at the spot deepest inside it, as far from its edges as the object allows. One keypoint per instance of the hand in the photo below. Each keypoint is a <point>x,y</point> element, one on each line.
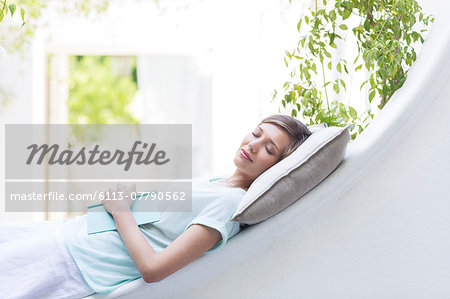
<point>119,200</point>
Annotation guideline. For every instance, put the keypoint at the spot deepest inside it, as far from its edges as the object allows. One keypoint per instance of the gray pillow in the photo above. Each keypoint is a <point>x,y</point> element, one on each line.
<point>291,178</point>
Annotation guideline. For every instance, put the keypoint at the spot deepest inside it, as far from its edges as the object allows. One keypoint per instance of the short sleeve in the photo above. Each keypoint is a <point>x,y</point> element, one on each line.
<point>218,215</point>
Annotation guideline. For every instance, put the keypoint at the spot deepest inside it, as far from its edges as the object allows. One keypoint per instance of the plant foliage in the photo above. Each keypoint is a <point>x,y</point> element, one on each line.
<point>387,33</point>
<point>96,94</point>
<point>11,8</point>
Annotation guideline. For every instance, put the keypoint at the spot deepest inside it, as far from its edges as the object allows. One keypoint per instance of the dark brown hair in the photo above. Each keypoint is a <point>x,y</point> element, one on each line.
<point>296,130</point>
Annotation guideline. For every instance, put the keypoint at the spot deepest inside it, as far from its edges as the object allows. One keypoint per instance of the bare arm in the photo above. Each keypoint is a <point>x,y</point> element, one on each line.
<point>153,266</point>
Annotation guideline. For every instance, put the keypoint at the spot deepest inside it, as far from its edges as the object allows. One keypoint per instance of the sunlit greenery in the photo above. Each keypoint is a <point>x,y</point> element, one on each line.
<point>14,37</point>
<point>386,36</point>
<point>98,94</point>
<point>10,8</point>
<point>32,13</point>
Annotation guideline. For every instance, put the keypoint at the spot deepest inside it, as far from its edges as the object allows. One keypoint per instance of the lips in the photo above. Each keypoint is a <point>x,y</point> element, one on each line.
<point>246,155</point>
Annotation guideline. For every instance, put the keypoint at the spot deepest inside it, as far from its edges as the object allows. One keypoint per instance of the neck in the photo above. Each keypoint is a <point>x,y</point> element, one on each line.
<point>240,179</point>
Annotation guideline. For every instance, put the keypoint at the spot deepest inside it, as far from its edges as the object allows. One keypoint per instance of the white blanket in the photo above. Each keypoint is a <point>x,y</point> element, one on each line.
<point>35,263</point>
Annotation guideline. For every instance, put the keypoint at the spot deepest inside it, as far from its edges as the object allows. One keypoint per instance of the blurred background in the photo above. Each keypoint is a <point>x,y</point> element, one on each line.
<point>213,64</point>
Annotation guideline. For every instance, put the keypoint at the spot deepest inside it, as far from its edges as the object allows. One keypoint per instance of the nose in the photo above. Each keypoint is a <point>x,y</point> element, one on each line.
<point>250,147</point>
<point>253,146</point>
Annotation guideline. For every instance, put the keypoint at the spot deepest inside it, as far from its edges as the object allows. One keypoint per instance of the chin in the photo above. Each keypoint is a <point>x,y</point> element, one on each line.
<point>235,161</point>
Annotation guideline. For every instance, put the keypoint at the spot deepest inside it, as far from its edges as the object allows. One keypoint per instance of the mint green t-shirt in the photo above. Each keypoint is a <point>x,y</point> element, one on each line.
<point>103,259</point>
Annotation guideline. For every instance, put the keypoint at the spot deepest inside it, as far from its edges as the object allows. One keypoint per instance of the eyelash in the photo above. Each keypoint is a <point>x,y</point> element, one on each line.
<point>270,153</point>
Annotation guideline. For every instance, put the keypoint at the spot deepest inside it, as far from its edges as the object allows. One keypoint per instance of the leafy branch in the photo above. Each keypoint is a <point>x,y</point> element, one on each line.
<point>11,8</point>
<point>386,37</point>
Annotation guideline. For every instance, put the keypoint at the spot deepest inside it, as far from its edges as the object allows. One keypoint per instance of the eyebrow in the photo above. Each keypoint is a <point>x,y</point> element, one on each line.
<point>271,141</point>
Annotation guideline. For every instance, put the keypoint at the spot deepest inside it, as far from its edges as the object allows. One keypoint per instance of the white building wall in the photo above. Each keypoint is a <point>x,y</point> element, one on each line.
<point>240,45</point>
<point>244,41</point>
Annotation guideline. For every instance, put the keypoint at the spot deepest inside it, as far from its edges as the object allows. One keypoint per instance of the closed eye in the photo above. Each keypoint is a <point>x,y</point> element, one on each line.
<point>267,148</point>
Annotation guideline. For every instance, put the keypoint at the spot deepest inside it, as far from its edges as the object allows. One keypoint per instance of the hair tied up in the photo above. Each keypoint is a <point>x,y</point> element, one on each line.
<point>296,130</point>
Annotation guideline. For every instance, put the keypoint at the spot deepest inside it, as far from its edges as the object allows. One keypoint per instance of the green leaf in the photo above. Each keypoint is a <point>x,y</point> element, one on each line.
<point>395,71</point>
<point>22,15</point>
<point>336,87</point>
<point>367,24</point>
<point>408,39</point>
<point>329,65</point>
<point>358,67</point>
<point>327,54</point>
<point>343,27</point>
<point>333,45</point>
<point>338,67</point>
<point>299,24</point>
<point>303,42</point>
<point>307,75</point>
<point>371,96</point>
<point>346,14</point>
<point>311,48</point>
<point>294,113</point>
<point>342,83</point>
<point>368,60</point>
<point>306,19</point>
<point>332,37</point>
<point>285,61</point>
<point>352,112</point>
<point>362,85</point>
<point>12,9</point>
<point>332,15</point>
<point>1,15</point>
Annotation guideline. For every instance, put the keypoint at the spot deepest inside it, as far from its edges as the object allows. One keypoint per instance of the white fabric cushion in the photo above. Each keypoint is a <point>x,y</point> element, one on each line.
<point>317,127</point>
<point>291,178</point>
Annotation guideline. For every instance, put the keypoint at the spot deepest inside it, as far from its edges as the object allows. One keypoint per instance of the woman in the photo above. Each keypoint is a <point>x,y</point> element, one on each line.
<point>68,263</point>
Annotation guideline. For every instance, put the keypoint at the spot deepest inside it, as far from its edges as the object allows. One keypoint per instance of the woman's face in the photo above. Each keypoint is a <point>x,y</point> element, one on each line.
<point>260,149</point>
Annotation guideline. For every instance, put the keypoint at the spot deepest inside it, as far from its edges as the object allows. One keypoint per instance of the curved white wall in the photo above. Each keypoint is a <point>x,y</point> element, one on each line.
<point>377,227</point>
<point>388,237</point>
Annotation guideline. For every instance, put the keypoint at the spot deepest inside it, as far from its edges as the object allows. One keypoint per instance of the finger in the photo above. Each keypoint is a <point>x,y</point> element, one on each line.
<point>132,188</point>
